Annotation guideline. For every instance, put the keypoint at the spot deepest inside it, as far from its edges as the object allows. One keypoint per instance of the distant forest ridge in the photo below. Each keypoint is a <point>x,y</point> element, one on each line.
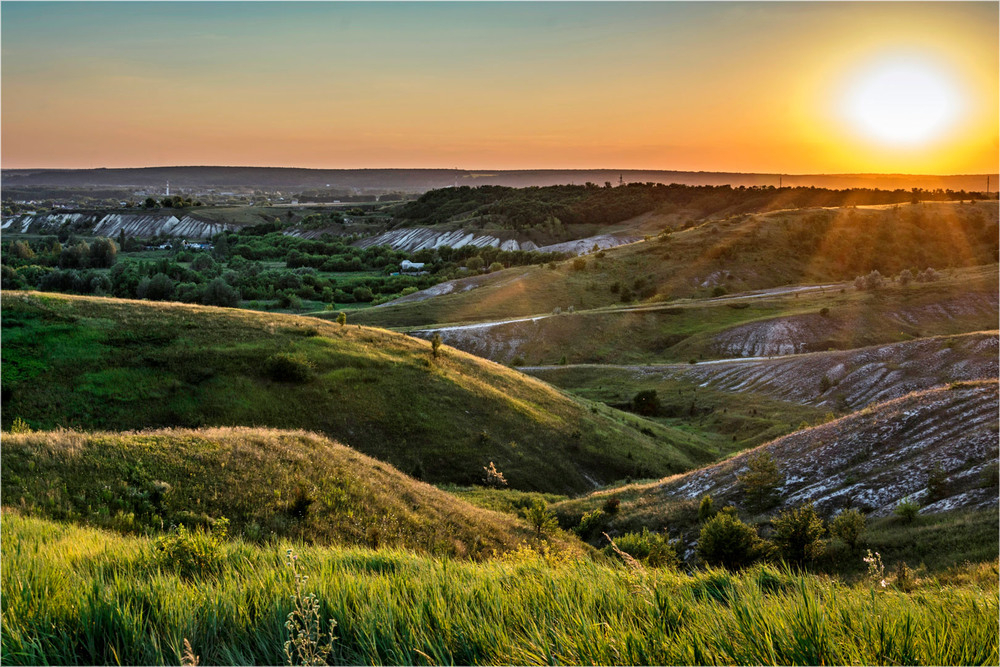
<point>421,180</point>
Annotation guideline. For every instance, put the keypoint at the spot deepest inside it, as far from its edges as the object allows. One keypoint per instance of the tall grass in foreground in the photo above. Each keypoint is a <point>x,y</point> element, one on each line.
<point>79,595</point>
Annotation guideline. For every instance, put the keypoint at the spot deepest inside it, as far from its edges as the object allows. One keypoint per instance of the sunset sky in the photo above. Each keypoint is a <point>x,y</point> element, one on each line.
<point>755,87</point>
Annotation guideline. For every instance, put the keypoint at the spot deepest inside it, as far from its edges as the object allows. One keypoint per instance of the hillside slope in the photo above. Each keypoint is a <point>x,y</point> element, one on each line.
<point>847,380</point>
<point>739,253</point>
<point>289,484</point>
<point>775,322</point>
<point>870,460</point>
<point>110,364</point>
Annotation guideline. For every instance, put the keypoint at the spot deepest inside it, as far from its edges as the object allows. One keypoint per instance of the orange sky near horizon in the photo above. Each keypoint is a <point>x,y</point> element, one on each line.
<point>752,87</point>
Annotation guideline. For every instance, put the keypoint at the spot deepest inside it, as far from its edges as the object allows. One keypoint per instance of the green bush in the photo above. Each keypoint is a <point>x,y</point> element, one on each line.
<point>289,367</point>
<point>907,510</point>
<point>706,509</point>
<point>652,549</point>
<point>192,553</point>
<point>591,523</point>
<point>798,534</point>
<point>849,525</point>
<point>725,540</point>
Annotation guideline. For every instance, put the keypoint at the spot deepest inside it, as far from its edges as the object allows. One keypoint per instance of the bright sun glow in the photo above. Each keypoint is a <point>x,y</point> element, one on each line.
<point>902,101</point>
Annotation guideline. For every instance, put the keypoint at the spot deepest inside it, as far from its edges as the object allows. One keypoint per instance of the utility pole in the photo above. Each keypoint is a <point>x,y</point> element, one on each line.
<point>779,181</point>
<point>621,181</point>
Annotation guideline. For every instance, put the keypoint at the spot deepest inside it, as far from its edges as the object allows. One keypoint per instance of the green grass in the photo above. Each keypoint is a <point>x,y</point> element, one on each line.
<point>74,595</point>
<point>108,364</point>
<point>268,484</point>
<point>729,421</point>
<point>510,501</point>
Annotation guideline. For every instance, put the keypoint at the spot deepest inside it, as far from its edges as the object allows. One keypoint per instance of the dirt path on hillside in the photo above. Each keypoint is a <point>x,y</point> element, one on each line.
<point>680,303</point>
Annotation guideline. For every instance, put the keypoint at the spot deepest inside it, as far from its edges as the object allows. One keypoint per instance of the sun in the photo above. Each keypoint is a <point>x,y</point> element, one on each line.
<point>902,101</point>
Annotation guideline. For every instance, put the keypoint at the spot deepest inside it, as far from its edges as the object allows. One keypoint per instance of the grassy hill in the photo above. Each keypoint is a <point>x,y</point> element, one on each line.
<point>284,484</point>
<point>108,364</point>
<point>735,254</point>
<point>739,325</point>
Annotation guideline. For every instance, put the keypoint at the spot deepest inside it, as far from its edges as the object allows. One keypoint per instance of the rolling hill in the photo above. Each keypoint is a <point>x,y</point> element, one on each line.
<point>773,322</point>
<point>108,364</point>
<point>285,484</point>
<point>732,255</point>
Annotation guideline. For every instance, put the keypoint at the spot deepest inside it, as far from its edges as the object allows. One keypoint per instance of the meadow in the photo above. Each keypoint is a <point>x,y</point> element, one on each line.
<point>77,595</point>
<point>112,364</point>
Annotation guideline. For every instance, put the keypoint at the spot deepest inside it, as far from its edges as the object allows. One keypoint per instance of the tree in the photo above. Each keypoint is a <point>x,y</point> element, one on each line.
<point>760,482</point>
<point>75,256</point>
<point>539,517</point>
<point>495,266</point>
<point>203,262</point>
<point>725,540</point>
<point>435,344</point>
<point>158,288</point>
<point>474,263</point>
<point>20,250</point>
<point>646,403</point>
<point>798,534</point>
<point>871,281</point>
<point>848,526</point>
<point>103,253</point>
<point>221,248</point>
<point>342,318</point>
<point>937,483</point>
<point>220,293</point>
<point>150,203</point>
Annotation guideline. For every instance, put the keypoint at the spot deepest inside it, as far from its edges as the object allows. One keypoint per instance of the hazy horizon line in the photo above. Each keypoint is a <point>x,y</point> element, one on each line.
<point>500,170</point>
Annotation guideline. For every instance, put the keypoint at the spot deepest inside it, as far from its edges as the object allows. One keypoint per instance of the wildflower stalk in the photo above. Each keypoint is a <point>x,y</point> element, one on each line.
<point>306,645</point>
